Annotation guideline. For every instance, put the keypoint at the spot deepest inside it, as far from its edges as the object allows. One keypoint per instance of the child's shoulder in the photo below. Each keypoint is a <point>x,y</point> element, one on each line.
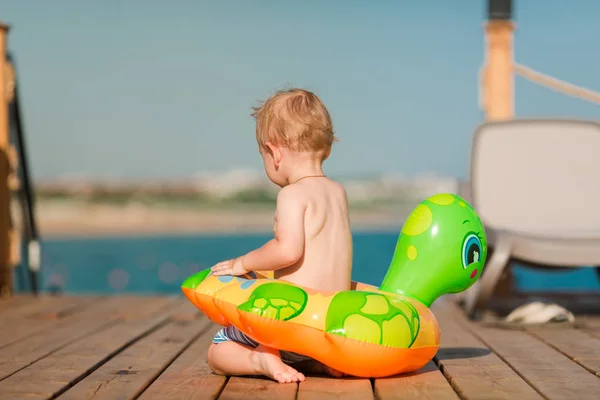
<point>335,186</point>
<point>291,194</point>
<point>307,190</point>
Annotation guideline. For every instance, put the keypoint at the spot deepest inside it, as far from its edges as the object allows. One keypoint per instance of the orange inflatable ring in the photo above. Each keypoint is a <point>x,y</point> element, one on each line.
<point>366,331</point>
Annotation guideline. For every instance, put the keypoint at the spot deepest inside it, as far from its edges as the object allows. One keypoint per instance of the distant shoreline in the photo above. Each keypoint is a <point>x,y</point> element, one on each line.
<point>66,220</point>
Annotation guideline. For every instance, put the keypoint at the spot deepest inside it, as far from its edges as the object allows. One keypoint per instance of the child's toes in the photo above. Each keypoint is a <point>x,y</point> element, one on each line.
<point>283,377</point>
<point>295,375</point>
<point>290,375</point>
<point>279,377</point>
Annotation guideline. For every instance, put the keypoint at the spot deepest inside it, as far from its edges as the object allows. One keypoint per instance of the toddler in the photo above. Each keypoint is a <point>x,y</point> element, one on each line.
<point>312,246</point>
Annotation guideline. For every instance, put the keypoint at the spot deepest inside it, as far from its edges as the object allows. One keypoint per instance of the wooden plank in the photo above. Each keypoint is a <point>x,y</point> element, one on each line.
<point>427,383</point>
<point>53,374</point>
<point>576,344</point>
<point>189,377</point>
<point>18,327</point>
<point>186,311</point>
<point>26,307</point>
<point>472,369</point>
<point>553,374</point>
<point>155,348</point>
<point>99,316</point>
<point>130,372</point>
<point>328,388</point>
<point>69,306</point>
<point>16,301</point>
<point>547,370</point>
<point>19,355</point>
<point>258,388</point>
<point>14,331</point>
<point>592,325</point>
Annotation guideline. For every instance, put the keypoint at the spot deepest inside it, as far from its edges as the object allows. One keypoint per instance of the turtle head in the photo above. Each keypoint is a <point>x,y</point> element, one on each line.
<point>442,249</point>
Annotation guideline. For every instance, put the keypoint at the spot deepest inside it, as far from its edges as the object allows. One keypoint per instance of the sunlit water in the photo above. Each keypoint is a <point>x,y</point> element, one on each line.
<point>159,264</point>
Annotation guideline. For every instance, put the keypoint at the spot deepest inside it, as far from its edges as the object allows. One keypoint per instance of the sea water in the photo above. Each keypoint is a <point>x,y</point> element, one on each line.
<point>158,264</point>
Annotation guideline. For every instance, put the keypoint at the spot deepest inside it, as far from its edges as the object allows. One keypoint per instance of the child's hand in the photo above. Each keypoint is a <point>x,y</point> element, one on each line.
<point>229,267</point>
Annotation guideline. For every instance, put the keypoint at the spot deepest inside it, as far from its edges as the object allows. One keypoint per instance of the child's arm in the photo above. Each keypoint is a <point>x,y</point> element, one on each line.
<point>282,251</point>
<point>288,245</point>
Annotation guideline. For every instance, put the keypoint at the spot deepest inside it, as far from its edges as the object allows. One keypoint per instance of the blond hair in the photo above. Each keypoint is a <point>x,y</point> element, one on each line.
<point>296,119</point>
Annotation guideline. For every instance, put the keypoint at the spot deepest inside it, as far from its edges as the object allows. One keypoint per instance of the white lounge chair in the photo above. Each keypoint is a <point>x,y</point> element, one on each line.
<point>536,186</point>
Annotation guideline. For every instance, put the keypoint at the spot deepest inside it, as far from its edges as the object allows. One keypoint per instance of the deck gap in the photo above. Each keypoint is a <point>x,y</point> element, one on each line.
<point>372,382</point>
<point>449,379</point>
<point>227,381</point>
<point>108,358</point>
<point>172,360</point>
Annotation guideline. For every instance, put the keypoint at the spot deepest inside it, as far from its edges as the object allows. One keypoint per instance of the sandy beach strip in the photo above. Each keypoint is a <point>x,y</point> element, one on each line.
<point>60,220</point>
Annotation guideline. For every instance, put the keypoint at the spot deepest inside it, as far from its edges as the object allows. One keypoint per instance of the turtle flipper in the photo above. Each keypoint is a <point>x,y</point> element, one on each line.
<point>411,318</point>
<point>373,318</point>
<point>276,300</point>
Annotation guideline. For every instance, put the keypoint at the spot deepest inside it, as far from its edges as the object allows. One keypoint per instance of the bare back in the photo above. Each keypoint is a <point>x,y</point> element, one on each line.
<point>327,260</point>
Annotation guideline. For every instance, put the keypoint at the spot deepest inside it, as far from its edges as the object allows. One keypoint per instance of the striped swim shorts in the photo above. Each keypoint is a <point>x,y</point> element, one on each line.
<point>232,333</point>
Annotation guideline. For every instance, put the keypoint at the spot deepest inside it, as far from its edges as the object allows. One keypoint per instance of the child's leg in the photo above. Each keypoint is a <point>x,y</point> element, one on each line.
<point>233,353</point>
<point>232,358</point>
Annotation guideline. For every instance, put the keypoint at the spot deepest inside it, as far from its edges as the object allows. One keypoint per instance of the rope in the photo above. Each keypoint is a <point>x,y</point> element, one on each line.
<point>556,84</point>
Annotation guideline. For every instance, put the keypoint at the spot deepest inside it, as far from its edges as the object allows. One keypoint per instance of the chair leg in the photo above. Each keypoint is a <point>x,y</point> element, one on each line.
<point>477,297</point>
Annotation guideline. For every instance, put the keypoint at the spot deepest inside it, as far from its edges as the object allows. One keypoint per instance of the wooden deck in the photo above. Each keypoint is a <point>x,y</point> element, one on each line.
<point>155,348</point>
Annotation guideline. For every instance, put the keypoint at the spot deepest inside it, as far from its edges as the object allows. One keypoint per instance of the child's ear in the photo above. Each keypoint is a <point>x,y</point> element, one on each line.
<point>276,153</point>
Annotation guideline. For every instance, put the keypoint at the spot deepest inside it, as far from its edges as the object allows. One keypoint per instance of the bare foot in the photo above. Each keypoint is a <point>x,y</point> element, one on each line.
<point>318,368</point>
<point>268,362</point>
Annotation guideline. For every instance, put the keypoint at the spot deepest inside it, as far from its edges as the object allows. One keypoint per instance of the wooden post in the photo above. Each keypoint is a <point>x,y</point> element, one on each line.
<point>498,76</point>
<point>498,86</point>
<point>5,225</point>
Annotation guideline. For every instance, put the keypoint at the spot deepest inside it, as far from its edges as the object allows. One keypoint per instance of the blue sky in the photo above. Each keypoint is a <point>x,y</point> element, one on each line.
<point>132,88</point>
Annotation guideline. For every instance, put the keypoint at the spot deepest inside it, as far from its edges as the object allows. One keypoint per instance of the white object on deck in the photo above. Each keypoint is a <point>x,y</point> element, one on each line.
<point>540,313</point>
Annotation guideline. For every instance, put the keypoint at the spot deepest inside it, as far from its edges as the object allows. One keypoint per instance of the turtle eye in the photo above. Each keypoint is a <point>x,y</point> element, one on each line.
<point>471,250</point>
